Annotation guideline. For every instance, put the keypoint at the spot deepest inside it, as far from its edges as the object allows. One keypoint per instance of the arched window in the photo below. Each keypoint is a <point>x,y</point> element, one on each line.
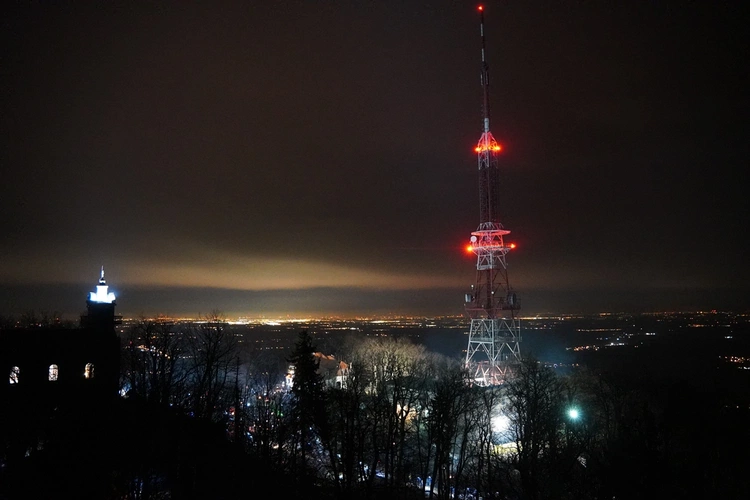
<point>88,372</point>
<point>14,372</point>
<point>53,373</point>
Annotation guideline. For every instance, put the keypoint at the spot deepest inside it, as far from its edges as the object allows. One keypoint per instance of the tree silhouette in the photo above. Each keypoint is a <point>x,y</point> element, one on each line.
<point>150,355</point>
<point>211,372</point>
<point>307,405</point>
<point>535,400</point>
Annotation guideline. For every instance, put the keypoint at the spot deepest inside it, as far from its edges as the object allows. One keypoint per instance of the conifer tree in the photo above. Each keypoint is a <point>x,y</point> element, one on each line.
<point>307,389</point>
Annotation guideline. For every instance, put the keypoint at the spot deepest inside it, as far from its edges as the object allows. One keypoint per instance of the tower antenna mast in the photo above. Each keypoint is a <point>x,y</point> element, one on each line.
<point>493,349</point>
<point>484,77</point>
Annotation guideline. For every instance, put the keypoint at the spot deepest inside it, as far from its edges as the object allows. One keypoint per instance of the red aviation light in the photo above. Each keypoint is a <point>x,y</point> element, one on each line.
<point>469,248</point>
<point>487,143</point>
<point>480,8</point>
<point>512,246</point>
<point>494,148</point>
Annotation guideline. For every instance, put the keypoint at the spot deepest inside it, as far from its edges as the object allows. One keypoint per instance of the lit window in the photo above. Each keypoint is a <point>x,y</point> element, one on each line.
<point>13,379</point>
<point>89,371</point>
<point>53,372</point>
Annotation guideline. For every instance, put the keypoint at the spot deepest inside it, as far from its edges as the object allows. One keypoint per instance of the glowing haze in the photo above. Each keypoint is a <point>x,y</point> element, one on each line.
<point>318,157</point>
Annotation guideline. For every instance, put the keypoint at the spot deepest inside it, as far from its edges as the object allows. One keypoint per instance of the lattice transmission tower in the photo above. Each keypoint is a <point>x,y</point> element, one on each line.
<point>494,337</point>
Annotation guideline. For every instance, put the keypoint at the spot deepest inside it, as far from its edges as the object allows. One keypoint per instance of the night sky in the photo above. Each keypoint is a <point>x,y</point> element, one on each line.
<point>316,157</point>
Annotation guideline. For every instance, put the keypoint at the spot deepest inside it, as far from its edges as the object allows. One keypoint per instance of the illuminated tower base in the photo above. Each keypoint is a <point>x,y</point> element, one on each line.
<point>494,337</point>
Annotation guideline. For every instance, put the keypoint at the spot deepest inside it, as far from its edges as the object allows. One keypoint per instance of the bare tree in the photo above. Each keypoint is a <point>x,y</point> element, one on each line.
<point>211,355</point>
<point>452,399</point>
<point>395,364</point>
<point>150,361</point>
<point>266,405</point>
<point>347,433</point>
<point>373,415</point>
<point>475,460</point>
<point>535,400</point>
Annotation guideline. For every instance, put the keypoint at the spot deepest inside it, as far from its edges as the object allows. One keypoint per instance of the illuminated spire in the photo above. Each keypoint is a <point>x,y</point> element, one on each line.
<point>102,295</point>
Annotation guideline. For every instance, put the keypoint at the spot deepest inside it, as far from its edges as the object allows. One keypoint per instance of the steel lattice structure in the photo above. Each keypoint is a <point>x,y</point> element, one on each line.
<point>495,334</point>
